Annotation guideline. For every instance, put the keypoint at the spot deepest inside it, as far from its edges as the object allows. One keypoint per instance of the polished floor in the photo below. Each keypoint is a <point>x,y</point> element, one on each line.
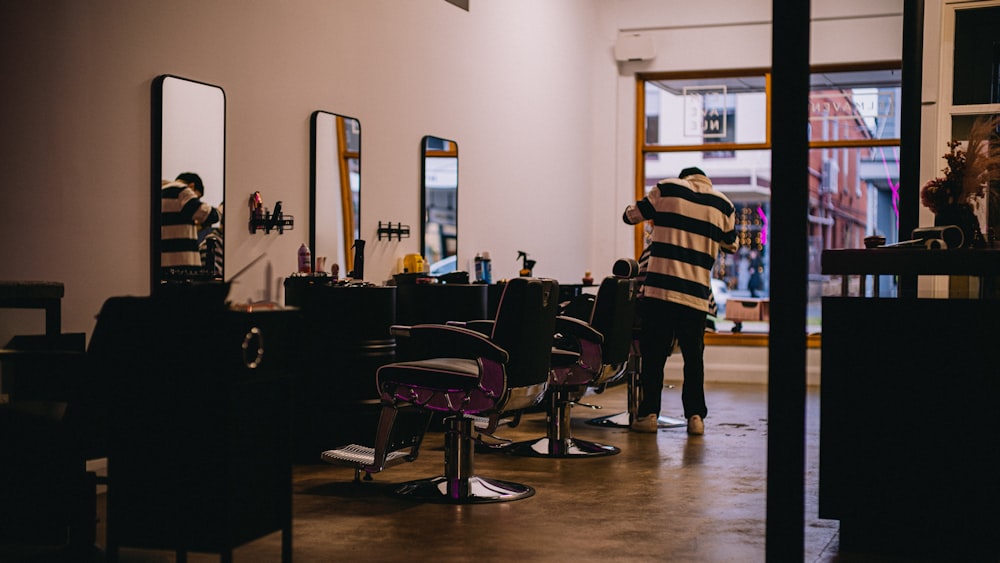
<point>665,497</point>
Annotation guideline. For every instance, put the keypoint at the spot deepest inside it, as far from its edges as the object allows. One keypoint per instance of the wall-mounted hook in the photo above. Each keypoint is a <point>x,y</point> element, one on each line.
<point>400,230</point>
<point>263,220</point>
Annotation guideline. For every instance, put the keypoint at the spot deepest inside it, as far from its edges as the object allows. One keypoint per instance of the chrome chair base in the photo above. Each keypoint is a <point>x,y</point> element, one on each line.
<point>572,447</point>
<point>474,490</point>
<point>558,441</point>
<point>621,420</point>
<point>624,419</point>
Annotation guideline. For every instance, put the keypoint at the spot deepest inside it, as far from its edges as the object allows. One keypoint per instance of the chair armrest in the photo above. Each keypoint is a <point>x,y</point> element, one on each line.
<point>563,358</point>
<point>569,326</point>
<point>482,326</point>
<point>449,341</point>
<point>400,330</point>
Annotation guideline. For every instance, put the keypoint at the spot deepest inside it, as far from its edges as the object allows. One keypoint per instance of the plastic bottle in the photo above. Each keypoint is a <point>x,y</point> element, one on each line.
<point>487,267</point>
<point>305,260</point>
<point>479,267</point>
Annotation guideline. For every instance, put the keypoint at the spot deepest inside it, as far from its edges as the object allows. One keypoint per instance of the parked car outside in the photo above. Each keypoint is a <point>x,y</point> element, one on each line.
<point>721,293</point>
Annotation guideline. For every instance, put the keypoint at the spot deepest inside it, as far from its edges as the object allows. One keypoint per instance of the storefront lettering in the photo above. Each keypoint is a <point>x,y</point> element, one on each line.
<point>705,111</point>
<point>840,106</point>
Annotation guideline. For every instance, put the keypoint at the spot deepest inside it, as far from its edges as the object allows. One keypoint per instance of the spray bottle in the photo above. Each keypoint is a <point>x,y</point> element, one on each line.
<point>526,265</point>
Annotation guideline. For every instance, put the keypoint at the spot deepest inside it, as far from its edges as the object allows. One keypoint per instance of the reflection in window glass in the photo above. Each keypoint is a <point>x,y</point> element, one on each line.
<point>853,163</point>
<point>693,111</point>
<point>854,105</point>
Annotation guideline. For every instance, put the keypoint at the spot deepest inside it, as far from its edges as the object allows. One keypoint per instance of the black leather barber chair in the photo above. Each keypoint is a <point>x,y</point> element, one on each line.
<point>48,499</point>
<point>398,437</point>
<point>603,341</point>
<point>628,268</point>
<point>48,431</point>
<point>468,376</point>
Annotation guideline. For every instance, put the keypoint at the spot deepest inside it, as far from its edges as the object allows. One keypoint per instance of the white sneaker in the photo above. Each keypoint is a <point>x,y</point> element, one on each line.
<point>649,424</point>
<point>696,427</point>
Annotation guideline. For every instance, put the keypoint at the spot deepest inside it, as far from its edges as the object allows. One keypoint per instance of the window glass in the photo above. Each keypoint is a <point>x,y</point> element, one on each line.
<point>853,166</point>
<point>695,111</point>
<point>976,79</point>
<point>854,106</point>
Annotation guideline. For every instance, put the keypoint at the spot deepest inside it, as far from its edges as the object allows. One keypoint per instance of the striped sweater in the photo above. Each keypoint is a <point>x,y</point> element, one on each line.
<point>182,215</point>
<point>692,222</point>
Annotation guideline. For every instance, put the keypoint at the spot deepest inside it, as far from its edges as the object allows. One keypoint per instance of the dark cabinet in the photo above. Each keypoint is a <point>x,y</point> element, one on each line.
<point>909,413</point>
<point>199,423</point>
<point>345,340</point>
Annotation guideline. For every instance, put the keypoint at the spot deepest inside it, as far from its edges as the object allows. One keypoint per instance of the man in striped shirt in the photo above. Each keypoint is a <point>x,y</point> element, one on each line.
<point>182,215</point>
<point>692,222</point>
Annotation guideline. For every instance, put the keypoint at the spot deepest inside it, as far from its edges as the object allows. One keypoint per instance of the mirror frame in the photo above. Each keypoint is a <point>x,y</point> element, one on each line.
<point>425,155</point>
<point>156,169</point>
<point>349,230</point>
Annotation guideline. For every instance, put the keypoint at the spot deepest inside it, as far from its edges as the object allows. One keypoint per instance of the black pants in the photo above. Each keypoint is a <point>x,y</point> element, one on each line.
<point>663,322</point>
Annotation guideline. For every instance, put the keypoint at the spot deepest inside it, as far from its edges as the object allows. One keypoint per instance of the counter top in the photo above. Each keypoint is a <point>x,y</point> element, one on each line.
<point>913,261</point>
<point>36,295</point>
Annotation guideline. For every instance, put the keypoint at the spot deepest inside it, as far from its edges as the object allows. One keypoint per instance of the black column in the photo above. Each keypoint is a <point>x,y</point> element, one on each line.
<point>789,260</point>
<point>909,141</point>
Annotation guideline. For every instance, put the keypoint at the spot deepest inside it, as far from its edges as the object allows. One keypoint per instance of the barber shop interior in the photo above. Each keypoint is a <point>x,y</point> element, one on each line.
<point>520,280</point>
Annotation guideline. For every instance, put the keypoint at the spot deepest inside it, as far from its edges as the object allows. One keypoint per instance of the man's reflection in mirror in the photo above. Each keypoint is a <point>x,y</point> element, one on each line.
<point>183,215</point>
<point>210,247</point>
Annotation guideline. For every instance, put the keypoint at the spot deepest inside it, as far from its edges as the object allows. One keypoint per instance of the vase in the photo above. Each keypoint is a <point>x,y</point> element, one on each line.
<point>965,219</point>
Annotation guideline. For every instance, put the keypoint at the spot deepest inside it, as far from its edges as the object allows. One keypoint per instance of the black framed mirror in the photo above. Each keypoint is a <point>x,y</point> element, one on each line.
<point>188,177</point>
<point>334,189</point>
<point>439,203</point>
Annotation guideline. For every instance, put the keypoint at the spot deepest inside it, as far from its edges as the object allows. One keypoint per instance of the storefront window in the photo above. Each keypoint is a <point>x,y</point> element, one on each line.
<point>695,111</point>
<point>720,124</point>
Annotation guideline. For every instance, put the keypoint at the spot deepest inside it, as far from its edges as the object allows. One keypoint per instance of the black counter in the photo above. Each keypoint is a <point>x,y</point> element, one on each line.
<point>346,339</point>
<point>908,412</point>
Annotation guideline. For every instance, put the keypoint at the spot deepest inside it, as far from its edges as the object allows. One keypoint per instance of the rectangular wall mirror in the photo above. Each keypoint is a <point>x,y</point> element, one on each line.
<point>335,189</point>
<point>188,181</point>
<point>439,203</point>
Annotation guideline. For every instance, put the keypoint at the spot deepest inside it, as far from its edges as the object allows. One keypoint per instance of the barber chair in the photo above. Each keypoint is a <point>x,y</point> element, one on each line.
<point>624,419</point>
<point>628,268</point>
<point>467,376</point>
<point>400,432</point>
<point>48,499</point>
<point>602,341</point>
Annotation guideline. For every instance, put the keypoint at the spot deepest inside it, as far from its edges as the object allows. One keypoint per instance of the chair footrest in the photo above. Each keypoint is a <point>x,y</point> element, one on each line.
<point>355,455</point>
<point>481,423</point>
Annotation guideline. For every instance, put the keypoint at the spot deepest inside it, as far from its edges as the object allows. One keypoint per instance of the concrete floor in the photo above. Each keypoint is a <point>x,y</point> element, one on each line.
<point>665,497</point>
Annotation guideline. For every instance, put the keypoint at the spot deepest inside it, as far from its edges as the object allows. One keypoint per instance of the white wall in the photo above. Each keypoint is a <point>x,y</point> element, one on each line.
<point>508,81</point>
<point>529,89</point>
